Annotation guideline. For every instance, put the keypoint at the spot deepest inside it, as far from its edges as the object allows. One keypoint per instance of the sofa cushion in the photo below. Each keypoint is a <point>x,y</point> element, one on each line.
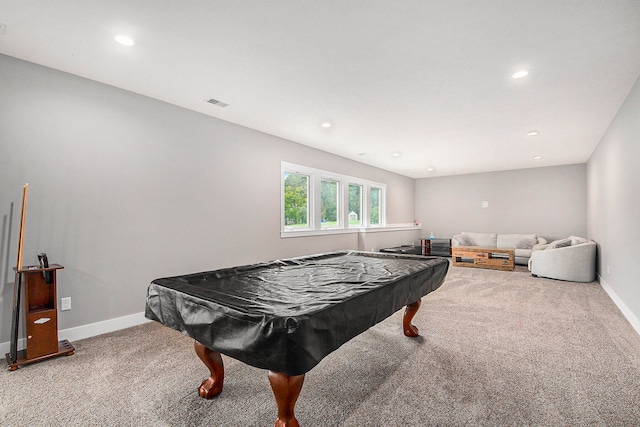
<point>525,243</point>
<point>522,253</point>
<point>522,256</point>
<point>511,240</point>
<point>484,240</point>
<point>559,244</point>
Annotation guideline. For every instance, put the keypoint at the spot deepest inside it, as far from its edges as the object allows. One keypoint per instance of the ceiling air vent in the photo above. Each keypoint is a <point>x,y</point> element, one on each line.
<point>216,102</point>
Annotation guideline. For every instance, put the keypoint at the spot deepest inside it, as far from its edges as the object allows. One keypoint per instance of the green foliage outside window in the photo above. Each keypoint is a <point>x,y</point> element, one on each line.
<point>296,196</point>
<point>374,206</point>
<point>329,203</point>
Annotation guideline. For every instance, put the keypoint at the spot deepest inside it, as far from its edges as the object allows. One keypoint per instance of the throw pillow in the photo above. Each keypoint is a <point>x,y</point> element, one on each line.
<point>525,244</point>
<point>465,240</point>
<point>575,240</point>
<point>510,240</point>
<point>486,240</point>
<point>559,244</point>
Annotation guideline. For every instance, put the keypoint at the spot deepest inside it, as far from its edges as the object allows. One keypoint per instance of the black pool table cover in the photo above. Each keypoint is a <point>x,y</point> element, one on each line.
<point>286,315</point>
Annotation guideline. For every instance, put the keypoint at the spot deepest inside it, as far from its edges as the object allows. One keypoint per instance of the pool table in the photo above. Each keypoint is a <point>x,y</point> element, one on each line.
<point>285,316</point>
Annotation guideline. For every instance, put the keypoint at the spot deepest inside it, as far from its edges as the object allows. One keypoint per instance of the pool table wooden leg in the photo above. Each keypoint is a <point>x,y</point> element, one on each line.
<point>212,386</point>
<point>411,310</point>
<point>286,390</point>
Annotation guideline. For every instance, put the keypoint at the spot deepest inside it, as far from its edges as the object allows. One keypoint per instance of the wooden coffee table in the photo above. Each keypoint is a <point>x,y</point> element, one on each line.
<point>477,257</point>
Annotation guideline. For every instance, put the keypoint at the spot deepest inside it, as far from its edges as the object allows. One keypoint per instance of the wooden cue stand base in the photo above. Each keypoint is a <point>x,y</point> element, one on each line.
<point>64,348</point>
<point>41,316</point>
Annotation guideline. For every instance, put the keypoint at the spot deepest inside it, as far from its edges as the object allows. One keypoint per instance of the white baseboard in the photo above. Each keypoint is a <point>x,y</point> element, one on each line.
<point>635,322</point>
<point>90,330</point>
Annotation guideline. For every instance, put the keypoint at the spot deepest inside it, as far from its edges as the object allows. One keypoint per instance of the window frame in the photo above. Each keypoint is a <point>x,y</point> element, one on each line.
<point>308,201</point>
<point>314,202</point>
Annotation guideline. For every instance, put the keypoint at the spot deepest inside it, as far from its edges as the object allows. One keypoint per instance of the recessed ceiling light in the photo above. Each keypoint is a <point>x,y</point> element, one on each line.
<point>520,74</point>
<point>124,40</point>
<point>430,169</point>
<point>537,157</point>
<point>532,133</point>
<point>326,125</point>
<point>396,154</point>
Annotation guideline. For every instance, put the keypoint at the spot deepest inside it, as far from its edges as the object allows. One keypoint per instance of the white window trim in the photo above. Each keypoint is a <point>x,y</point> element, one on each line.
<point>315,225</point>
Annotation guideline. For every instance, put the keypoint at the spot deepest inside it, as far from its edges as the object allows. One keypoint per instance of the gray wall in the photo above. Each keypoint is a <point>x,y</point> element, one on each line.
<point>125,189</point>
<point>613,210</point>
<point>548,201</point>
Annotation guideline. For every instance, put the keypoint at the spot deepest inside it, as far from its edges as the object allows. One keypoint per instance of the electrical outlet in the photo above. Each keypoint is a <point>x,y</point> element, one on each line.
<point>65,304</point>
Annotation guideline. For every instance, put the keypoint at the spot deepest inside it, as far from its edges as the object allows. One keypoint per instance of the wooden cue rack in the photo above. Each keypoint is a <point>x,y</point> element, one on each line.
<point>41,310</point>
<point>41,315</point>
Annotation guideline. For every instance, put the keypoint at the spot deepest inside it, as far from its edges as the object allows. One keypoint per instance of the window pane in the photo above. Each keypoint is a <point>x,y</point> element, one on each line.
<point>374,205</point>
<point>296,200</point>
<point>329,203</point>
<point>355,205</point>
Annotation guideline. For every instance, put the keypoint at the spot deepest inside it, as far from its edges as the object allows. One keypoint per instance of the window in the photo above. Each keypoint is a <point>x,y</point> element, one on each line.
<point>296,200</point>
<point>375,205</point>
<point>314,200</point>
<point>329,203</point>
<point>355,205</point>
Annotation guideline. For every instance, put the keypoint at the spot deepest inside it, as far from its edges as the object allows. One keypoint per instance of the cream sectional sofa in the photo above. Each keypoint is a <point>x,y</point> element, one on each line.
<point>573,259</point>
<point>523,244</point>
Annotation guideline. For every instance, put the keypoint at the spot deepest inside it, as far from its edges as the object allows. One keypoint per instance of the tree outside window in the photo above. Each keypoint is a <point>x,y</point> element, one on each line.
<point>296,200</point>
<point>329,203</point>
<point>374,205</point>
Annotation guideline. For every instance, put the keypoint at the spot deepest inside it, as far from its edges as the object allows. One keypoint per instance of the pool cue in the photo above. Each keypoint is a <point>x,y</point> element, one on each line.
<point>23,219</point>
<point>13,351</point>
<point>17,286</point>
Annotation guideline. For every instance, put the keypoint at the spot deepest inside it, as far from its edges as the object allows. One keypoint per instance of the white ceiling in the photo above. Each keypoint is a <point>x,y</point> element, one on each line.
<point>430,80</point>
